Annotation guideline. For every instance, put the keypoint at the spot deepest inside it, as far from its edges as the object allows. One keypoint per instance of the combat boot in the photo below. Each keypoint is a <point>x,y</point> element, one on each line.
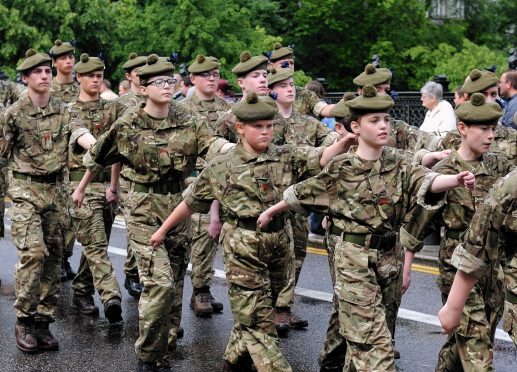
<point>66,269</point>
<point>46,341</point>
<point>296,322</point>
<point>145,366</point>
<point>217,306</point>
<point>25,335</point>
<point>133,286</point>
<point>282,316</point>
<point>180,333</point>
<point>113,310</point>
<point>85,305</point>
<point>200,303</point>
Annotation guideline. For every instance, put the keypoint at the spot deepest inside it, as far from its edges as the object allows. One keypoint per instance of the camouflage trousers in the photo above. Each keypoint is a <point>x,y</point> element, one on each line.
<point>470,347</point>
<point>390,282</point>
<point>510,320</point>
<point>39,216</point>
<point>203,251</point>
<point>161,271</point>
<point>130,267</point>
<point>256,266</point>
<point>300,233</point>
<point>92,227</point>
<point>3,175</point>
<point>361,273</point>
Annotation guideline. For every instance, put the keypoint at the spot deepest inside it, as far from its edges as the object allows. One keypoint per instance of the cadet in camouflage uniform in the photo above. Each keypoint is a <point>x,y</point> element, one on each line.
<point>93,221</point>
<point>133,98</point>
<point>366,194</point>
<point>474,258</point>
<point>299,130</point>
<point>246,180</point>
<point>486,82</point>
<point>307,102</point>
<point>34,137</point>
<point>204,74</point>
<point>157,143</point>
<point>473,345</point>
<point>66,89</point>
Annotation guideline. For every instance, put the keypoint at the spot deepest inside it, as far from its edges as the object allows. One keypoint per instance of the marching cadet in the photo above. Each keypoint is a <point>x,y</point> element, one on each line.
<point>34,137</point>
<point>93,221</point>
<point>494,221</point>
<point>300,130</point>
<point>477,121</point>
<point>307,102</point>
<point>205,74</point>
<point>157,143</point>
<point>366,193</point>
<point>247,180</point>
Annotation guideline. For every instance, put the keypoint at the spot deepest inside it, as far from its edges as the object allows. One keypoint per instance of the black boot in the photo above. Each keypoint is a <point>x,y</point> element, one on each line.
<point>113,310</point>
<point>133,286</point>
<point>46,341</point>
<point>85,305</point>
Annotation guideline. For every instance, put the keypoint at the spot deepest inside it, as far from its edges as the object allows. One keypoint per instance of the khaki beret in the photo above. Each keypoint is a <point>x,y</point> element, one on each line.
<point>133,61</point>
<point>203,64</point>
<point>370,102</point>
<point>275,75</point>
<point>341,110</point>
<point>88,64</point>
<point>255,108</point>
<point>33,59</point>
<point>478,111</point>
<point>373,76</point>
<point>478,81</point>
<point>280,52</point>
<point>61,48</point>
<point>155,67</point>
<point>248,63</point>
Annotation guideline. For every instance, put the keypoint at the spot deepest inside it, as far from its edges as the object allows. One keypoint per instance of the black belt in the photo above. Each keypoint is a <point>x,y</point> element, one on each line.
<point>453,234</point>
<point>164,188</point>
<point>276,224</point>
<point>44,178</point>
<point>102,177</point>
<point>384,242</point>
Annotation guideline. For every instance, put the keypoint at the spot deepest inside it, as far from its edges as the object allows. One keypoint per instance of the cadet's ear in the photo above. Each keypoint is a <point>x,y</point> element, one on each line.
<point>143,90</point>
<point>240,82</point>
<point>340,129</point>
<point>355,127</point>
<point>462,128</point>
<point>239,126</point>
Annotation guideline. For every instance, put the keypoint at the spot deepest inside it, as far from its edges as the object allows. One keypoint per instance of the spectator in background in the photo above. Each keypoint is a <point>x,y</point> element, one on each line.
<point>106,91</point>
<point>459,96</point>
<point>185,85</point>
<point>123,87</point>
<point>508,90</point>
<point>225,91</point>
<point>318,89</point>
<point>440,117</point>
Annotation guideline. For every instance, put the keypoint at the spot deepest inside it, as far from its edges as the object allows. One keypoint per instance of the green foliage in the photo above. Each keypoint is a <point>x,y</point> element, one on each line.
<point>300,78</point>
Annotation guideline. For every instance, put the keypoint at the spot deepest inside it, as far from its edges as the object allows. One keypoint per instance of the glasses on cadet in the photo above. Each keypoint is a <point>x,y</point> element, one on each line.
<point>207,75</point>
<point>160,83</point>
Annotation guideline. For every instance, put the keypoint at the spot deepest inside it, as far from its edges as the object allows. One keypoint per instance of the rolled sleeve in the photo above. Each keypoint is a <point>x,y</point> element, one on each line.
<point>292,201</point>
<point>462,260</point>
<point>422,196</point>
<point>409,242</point>
<point>91,165</point>
<point>318,107</point>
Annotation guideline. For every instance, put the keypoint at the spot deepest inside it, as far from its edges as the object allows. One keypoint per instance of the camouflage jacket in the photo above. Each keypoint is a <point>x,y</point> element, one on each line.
<point>9,93</point>
<point>365,197</point>
<point>246,184</point>
<point>304,130</point>
<point>209,110</point>
<point>66,92</point>
<point>308,103</point>
<point>406,137</point>
<point>130,99</point>
<point>153,150</point>
<point>496,217</point>
<point>35,140</point>
<point>97,117</point>
<point>505,142</point>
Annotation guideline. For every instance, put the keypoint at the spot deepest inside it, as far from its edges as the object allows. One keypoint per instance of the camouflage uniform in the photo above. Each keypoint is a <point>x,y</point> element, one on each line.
<point>156,155</point>
<point>481,247</point>
<point>300,130</point>
<point>308,103</point>
<point>130,99</point>
<point>254,261</point>
<point>92,222</point>
<point>35,141</point>
<point>485,307</point>
<point>366,202</point>
<point>203,246</point>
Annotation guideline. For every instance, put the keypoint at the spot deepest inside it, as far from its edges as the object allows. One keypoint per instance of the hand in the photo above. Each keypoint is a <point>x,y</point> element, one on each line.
<point>78,197</point>
<point>467,179</point>
<point>264,220</point>
<point>406,281</point>
<point>449,319</point>
<point>440,155</point>
<point>214,229</point>
<point>111,197</point>
<point>157,238</point>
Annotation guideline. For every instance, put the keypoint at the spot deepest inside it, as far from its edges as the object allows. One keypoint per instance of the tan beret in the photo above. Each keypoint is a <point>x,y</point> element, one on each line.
<point>478,111</point>
<point>373,76</point>
<point>88,64</point>
<point>61,48</point>
<point>275,75</point>
<point>33,59</point>
<point>133,61</point>
<point>478,81</point>
<point>370,101</point>
<point>203,64</point>
<point>254,108</point>
<point>248,63</point>
<point>280,52</point>
<point>155,67</point>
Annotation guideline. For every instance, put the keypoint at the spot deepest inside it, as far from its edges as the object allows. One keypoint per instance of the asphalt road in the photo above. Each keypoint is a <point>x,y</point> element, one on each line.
<point>90,344</point>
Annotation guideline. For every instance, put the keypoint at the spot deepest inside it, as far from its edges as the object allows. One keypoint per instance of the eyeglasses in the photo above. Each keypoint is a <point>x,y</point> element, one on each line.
<point>207,75</point>
<point>160,83</point>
